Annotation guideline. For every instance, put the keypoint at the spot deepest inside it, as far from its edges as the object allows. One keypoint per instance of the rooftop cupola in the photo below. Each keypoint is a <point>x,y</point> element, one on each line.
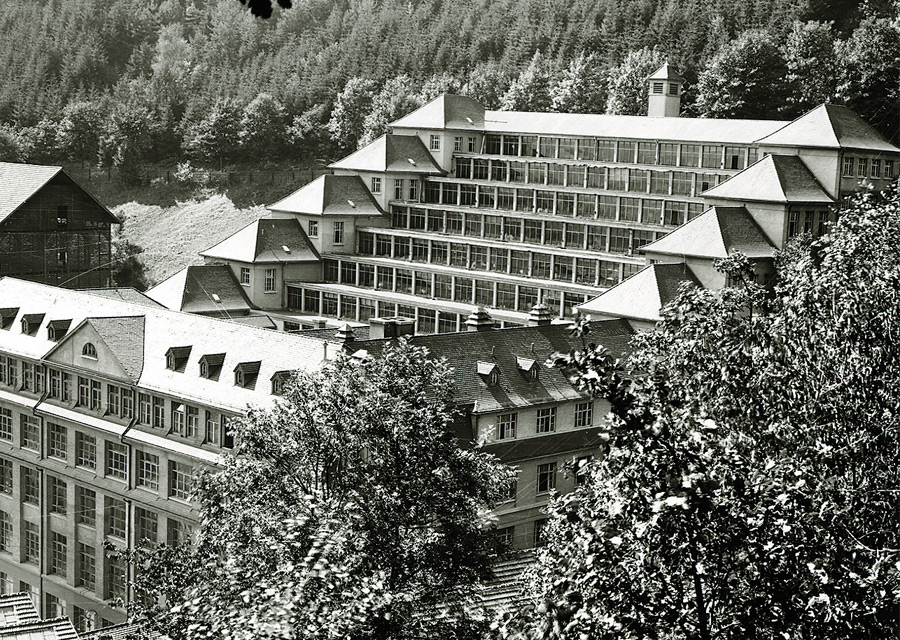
<point>539,315</point>
<point>665,86</point>
<point>479,320</point>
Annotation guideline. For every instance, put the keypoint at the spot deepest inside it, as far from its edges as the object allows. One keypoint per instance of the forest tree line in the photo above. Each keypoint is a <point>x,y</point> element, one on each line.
<point>130,82</point>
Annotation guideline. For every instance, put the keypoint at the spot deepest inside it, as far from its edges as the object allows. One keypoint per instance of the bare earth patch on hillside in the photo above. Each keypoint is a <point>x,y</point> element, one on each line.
<point>172,237</point>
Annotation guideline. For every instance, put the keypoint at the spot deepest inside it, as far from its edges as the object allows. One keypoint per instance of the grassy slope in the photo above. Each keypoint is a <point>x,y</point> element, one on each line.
<point>172,236</point>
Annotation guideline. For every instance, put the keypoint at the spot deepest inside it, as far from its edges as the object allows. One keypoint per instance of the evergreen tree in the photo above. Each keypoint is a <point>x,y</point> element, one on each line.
<point>215,137</point>
<point>80,130</point>
<point>263,133</point>
<point>745,79</point>
<point>351,107</point>
<point>487,83</point>
<point>581,87</point>
<point>397,97</point>
<point>812,66</point>
<point>627,82</point>
<point>531,90</point>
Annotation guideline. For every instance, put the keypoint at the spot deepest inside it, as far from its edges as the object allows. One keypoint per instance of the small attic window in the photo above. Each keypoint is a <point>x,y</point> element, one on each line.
<point>528,367</point>
<point>490,372</point>
<point>351,203</point>
<point>245,374</point>
<point>211,365</point>
<point>7,316</point>
<point>31,322</point>
<point>177,357</point>
<point>279,381</point>
<point>89,351</point>
<point>56,329</point>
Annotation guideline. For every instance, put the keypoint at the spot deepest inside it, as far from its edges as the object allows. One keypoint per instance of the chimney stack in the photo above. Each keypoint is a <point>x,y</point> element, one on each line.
<point>479,320</point>
<point>395,327</point>
<point>345,334</point>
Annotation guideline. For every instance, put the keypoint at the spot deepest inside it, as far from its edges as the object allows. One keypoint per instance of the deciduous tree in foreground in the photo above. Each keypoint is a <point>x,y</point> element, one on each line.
<point>347,511</point>
<point>752,485</point>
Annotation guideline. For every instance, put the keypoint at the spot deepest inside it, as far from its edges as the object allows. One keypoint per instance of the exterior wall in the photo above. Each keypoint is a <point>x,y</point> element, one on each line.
<point>79,496</point>
<point>35,245</point>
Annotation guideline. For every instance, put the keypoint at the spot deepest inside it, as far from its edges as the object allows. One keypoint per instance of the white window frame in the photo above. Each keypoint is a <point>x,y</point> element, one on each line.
<point>507,424</point>
<point>338,233</point>
<point>245,276</point>
<point>313,229</point>
<point>376,185</point>
<point>434,142</point>
<point>457,143</point>
<point>584,414</point>
<point>271,281</point>
<point>546,420</point>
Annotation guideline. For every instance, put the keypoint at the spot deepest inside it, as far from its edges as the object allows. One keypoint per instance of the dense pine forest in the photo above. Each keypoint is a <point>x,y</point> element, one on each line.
<point>130,82</point>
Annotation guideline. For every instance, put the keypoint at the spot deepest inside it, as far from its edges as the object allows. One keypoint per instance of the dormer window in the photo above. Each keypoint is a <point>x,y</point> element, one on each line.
<point>89,351</point>
<point>279,381</point>
<point>528,367</point>
<point>490,372</point>
<point>31,322</point>
<point>177,357</point>
<point>245,374</point>
<point>56,329</point>
<point>7,316</point>
<point>211,365</point>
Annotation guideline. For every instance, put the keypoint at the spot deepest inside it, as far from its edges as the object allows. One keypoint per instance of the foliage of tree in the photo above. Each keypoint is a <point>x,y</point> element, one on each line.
<point>397,97</point>
<point>581,87</point>
<point>753,460</point>
<point>871,85</point>
<point>128,269</point>
<point>263,132</point>
<point>215,137</point>
<point>627,82</point>
<point>812,66</point>
<point>348,510</point>
<point>39,144</point>
<point>745,79</point>
<point>487,83</point>
<point>9,147</point>
<point>531,90</point>
<point>80,130</point>
<point>349,113</point>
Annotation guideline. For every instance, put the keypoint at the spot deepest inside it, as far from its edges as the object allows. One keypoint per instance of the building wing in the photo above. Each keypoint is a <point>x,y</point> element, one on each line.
<point>716,233</point>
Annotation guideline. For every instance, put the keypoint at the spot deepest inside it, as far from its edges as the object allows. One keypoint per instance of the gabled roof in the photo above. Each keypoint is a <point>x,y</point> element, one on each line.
<point>17,608</point>
<point>331,196</point>
<point>774,178</point>
<point>277,350</point>
<point>393,153</point>
<point>716,233</point>
<point>126,294</point>
<point>268,240</point>
<point>643,295</point>
<point>666,72</point>
<point>19,620</point>
<point>125,338</point>
<point>19,182</point>
<point>447,111</point>
<point>829,126</point>
<point>472,355</point>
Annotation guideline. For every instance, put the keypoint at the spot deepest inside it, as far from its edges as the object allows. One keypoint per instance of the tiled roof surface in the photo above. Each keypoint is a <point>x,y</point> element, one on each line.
<point>19,182</point>
<point>464,352</point>
<point>774,178</point>
<point>17,608</point>
<point>505,592</point>
<point>331,196</point>
<point>666,72</point>
<point>400,154</point>
<point>124,335</point>
<point>268,240</point>
<point>642,296</point>
<point>716,233</point>
<point>549,445</point>
<point>830,126</point>
<point>51,629</point>
<point>125,294</point>
<point>194,289</point>
<point>278,351</point>
<point>447,111</point>
<point>260,320</point>
<point>124,631</point>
